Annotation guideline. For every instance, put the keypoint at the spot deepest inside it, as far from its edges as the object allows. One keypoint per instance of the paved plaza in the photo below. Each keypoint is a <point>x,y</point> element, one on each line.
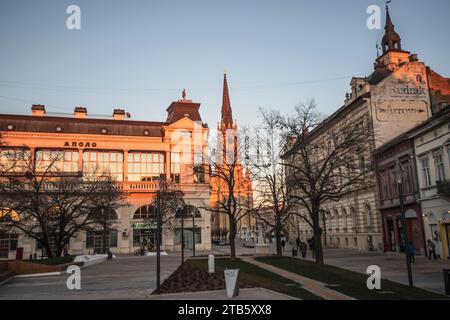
<point>126,277</point>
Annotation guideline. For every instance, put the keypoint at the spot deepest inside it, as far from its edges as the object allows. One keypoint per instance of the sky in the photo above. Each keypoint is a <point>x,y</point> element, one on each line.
<point>139,55</point>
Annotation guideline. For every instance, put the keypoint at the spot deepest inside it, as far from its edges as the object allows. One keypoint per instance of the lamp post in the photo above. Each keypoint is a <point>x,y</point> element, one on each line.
<point>404,230</point>
<point>158,242</point>
<point>183,212</point>
<point>193,233</point>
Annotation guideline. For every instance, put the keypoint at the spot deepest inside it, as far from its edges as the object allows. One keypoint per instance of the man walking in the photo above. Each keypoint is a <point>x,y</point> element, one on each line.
<point>411,249</point>
<point>303,249</point>
<point>431,249</point>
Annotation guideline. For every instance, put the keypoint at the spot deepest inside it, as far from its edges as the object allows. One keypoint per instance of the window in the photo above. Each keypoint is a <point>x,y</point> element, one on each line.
<point>175,166</point>
<point>101,163</point>
<point>188,236</point>
<point>14,160</point>
<point>439,164</point>
<point>94,240</point>
<point>426,172</point>
<point>57,160</point>
<point>145,166</point>
<point>145,212</point>
<point>8,242</point>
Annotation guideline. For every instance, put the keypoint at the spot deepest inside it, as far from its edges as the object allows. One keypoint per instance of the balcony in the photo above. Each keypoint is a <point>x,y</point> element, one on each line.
<point>140,186</point>
<point>443,188</point>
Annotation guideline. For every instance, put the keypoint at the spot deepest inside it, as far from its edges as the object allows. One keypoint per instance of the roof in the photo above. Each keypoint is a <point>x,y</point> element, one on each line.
<point>49,124</point>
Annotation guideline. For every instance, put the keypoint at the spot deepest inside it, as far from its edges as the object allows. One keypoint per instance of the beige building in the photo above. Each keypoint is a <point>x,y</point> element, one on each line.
<point>396,97</point>
<point>137,153</point>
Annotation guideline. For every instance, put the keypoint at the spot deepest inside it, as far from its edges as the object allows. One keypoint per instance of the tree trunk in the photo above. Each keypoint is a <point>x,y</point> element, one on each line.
<point>317,236</point>
<point>278,237</point>
<point>232,238</point>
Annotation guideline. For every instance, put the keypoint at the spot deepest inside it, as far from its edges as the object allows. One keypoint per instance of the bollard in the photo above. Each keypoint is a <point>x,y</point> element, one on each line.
<point>231,283</point>
<point>211,269</point>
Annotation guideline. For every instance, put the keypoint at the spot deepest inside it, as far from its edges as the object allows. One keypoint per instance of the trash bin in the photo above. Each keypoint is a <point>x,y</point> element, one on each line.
<point>447,281</point>
<point>294,252</point>
<point>231,283</point>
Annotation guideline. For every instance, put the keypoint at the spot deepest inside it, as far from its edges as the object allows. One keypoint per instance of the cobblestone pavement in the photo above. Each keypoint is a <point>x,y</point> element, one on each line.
<point>126,277</point>
<point>427,274</point>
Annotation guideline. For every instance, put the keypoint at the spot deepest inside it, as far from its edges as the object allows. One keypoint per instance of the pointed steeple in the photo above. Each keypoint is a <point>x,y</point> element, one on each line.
<point>391,40</point>
<point>227,114</point>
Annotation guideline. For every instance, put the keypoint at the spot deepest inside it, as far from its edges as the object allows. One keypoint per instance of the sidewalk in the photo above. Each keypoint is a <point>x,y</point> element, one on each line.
<point>316,287</point>
<point>244,294</point>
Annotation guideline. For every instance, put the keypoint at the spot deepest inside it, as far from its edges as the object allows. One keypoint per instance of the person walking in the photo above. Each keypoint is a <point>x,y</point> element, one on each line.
<point>411,250</point>
<point>431,249</point>
<point>283,244</point>
<point>303,248</point>
<point>297,241</point>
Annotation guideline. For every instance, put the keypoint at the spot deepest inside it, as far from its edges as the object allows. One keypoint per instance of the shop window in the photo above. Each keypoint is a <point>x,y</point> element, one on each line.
<point>64,161</point>
<point>94,240</point>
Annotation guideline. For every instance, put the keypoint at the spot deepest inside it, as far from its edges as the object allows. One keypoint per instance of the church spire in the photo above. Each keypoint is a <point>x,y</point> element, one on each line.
<point>391,40</point>
<point>227,115</point>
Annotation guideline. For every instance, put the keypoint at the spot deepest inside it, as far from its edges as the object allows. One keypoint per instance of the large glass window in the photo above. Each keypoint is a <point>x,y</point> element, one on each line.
<point>101,163</point>
<point>145,166</point>
<point>175,166</point>
<point>57,160</point>
<point>14,160</point>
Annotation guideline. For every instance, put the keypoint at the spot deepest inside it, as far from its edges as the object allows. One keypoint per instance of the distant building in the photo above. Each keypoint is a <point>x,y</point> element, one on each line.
<point>399,94</point>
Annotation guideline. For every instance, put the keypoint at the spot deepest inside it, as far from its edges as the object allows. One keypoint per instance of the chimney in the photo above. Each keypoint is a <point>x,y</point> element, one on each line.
<point>38,110</point>
<point>119,114</point>
<point>80,112</point>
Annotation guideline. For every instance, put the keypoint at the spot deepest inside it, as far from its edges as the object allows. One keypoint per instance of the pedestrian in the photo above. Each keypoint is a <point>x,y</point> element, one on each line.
<point>303,248</point>
<point>283,244</point>
<point>297,241</point>
<point>411,249</point>
<point>431,249</point>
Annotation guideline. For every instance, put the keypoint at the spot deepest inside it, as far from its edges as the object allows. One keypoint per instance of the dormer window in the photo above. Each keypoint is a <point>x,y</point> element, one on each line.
<point>104,131</point>
<point>146,132</point>
<point>58,129</point>
<point>10,127</point>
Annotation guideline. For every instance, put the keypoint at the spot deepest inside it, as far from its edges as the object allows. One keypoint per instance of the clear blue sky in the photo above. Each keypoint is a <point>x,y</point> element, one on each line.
<point>162,47</point>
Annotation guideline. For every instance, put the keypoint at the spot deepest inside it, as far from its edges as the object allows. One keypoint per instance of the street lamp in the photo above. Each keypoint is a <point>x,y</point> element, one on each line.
<point>158,242</point>
<point>183,212</point>
<point>193,233</point>
<point>404,230</point>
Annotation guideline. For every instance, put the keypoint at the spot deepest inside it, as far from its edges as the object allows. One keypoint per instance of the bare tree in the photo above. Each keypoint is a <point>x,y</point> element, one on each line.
<point>322,161</point>
<point>226,173</point>
<point>53,205</point>
<point>273,203</point>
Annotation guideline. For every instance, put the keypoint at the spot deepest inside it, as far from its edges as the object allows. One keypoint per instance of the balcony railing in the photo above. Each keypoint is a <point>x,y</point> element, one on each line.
<point>443,188</point>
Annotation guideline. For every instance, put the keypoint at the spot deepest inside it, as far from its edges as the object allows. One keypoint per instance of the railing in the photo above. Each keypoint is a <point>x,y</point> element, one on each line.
<point>143,186</point>
<point>443,188</point>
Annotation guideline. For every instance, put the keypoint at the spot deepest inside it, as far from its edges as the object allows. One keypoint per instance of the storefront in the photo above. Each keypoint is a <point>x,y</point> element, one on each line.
<point>444,227</point>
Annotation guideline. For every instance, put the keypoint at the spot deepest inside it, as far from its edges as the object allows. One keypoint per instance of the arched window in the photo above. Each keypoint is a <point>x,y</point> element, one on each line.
<point>145,212</point>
